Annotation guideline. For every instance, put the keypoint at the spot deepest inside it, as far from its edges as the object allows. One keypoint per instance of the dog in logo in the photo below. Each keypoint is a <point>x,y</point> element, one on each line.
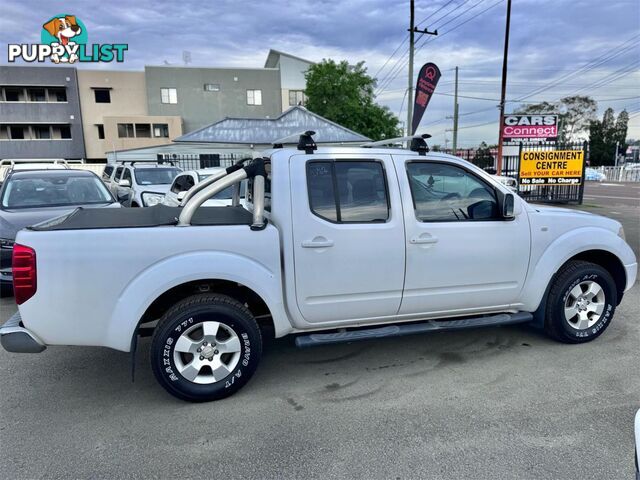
<point>64,29</point>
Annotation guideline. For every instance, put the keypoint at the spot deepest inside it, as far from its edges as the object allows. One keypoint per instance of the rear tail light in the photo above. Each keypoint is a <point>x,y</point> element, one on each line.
<point>24,273</point>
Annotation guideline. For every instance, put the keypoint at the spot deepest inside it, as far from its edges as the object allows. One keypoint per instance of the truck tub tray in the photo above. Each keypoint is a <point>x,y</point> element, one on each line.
<point>156,216</point>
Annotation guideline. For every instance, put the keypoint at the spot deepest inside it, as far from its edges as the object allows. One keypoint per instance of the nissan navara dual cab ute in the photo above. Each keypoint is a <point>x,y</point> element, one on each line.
<point>331,244</point>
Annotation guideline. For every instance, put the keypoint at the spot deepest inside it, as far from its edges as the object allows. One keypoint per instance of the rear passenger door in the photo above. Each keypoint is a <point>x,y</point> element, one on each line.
<point>125,194</point>
<point>348,238</point>
<point>113,186</point>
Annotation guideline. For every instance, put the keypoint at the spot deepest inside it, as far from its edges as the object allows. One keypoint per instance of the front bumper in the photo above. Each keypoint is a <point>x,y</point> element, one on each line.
<point>15,338</point>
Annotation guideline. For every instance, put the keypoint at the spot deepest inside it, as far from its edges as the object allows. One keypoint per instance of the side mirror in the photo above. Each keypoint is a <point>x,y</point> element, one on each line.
<point>181,195</point>
<point>508,206</point>
<point>125,183</point>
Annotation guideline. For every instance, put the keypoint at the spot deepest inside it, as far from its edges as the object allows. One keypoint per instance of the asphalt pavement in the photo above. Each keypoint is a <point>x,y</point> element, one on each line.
<point>485,404</point>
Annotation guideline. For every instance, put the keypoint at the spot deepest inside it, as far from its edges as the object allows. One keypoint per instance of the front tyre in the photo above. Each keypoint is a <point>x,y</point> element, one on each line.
<point>206,347</point>
<point>581,303</point>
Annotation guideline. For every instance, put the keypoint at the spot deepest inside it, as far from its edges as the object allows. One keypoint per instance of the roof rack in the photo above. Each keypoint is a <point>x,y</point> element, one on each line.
<point>7,165</point>
<point>303,139</point>
<point>158,162</point>
<point>417,143</point>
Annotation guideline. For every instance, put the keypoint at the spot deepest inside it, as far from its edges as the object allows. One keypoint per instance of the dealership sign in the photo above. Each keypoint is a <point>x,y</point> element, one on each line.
<point>551,167</point>
<point>527,127</point>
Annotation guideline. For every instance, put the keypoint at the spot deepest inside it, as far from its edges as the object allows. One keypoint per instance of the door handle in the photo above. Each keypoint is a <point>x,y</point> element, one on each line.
<point>318,242</point>
<point>424,240</point>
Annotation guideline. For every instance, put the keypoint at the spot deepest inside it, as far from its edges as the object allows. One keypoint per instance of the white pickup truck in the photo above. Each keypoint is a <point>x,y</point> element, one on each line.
<point>333,244</point>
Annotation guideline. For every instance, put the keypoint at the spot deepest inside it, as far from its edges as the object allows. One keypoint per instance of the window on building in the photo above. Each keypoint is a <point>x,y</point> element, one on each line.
<point>211,87</point>
<point>169,95</point>
<point>57,94</point>
<point>36,95</point>
<point>361,194</point>
<point>254,97</point>
<point>125,130</point>
<point>65,131</point>
<point>143,130</point>
<point>4,132</point>
<point>41,132</point>
<point>161,130</point>
<point>14,94</point>
<point>18,132</point>
<point>447,193</point>
<point>297,97</point>
<point>100,128</point>
<point>102,95</point>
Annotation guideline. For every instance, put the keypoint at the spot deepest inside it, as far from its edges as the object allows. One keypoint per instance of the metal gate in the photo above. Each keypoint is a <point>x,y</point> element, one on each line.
<point>546,193</point>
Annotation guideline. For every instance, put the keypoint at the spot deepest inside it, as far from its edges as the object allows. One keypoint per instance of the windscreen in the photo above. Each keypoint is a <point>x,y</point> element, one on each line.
<point>155,176</point>
<point>54,191</point>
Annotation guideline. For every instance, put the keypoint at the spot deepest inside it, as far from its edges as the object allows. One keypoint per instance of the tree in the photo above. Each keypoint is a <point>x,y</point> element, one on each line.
<point>579,110</point>
<point>344,94</point>
<point>605,135</point>
<point>483,157</point>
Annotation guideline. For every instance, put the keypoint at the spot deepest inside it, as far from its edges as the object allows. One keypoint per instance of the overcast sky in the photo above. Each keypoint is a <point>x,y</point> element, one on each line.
<point>552,45</point>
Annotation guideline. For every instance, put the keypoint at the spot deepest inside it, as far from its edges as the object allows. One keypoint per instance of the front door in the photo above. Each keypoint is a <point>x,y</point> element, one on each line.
<point>348,238</point>
<point>461,255</point>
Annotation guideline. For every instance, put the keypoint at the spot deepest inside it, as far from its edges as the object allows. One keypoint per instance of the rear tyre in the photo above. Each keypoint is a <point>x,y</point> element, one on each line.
<point>206,347</point>
<point>581,303</point>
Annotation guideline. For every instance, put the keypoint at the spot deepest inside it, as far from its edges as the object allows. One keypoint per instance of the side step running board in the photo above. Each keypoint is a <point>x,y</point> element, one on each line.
<point>314,339</point>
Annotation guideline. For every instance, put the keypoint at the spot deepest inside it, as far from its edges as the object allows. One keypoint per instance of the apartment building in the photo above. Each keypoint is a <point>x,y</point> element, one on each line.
<point>292,72</point>
<point>61,112</point>
<point>40,113</point>
<point>205,95</point>
<point>114,113</point>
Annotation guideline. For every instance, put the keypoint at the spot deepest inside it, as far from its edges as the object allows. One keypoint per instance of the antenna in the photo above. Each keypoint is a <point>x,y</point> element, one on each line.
<point>186,57</point>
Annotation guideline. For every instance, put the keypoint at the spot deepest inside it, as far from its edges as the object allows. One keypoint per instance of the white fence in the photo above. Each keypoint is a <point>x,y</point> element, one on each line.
<point>626,173</point>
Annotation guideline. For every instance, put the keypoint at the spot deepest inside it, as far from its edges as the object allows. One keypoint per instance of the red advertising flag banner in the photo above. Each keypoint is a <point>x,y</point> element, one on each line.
<point>425,86</point>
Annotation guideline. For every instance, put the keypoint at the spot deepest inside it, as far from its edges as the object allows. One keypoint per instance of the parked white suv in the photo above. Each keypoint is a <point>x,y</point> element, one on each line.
<point>355,243</point>
<point>139,184</point>
<point>187,180</point>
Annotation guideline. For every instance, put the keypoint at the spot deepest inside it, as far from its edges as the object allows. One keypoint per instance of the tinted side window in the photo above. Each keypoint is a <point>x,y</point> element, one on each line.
<point>348,191</point>
<point>182,183</point>
<point>116,177</point>
<point>127,175</point>
<point>108,170</point>
<point>444,193</point>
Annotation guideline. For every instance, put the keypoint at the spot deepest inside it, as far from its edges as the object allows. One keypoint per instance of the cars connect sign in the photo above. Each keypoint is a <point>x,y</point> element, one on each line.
<point>551,167</point>
<point>541,127</point>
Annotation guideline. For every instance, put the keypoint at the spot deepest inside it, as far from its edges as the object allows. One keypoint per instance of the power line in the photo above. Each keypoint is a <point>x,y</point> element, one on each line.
<point>588,66</point>
<point>398,67</point>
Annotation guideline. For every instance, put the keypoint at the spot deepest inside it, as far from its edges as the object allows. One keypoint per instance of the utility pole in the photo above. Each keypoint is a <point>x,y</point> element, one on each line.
<point>455,116</point>
<point>504,86</point>
<point>412,31</point>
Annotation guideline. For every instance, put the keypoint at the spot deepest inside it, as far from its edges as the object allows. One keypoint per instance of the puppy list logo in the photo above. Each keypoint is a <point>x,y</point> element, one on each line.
<point>64,40</point>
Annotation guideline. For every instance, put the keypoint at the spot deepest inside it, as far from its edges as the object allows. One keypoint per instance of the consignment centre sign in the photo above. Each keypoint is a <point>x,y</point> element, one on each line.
<point>551,167</point>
